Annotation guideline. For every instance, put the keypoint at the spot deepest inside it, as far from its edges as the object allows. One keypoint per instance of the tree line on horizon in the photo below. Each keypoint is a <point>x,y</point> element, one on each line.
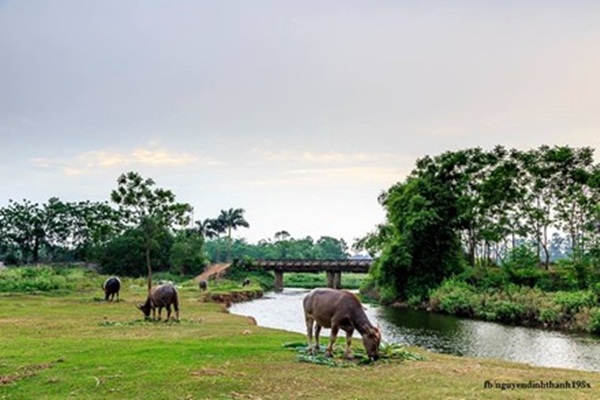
<point>143,227</point>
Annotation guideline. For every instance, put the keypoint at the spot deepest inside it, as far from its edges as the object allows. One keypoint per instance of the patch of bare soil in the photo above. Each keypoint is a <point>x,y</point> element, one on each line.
<point>27,371</point>
<point>213,271</point>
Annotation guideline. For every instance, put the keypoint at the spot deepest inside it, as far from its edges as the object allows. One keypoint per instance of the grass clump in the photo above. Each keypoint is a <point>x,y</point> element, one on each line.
<point>387,352</point>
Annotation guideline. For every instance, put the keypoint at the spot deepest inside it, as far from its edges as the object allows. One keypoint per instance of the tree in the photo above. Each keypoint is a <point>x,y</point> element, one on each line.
<point>186,256</point>
<point>231,220</point>
<point>148,208</point>
<point>23,227</point>
<point>329,248</point>
<point>425,244</point>
<point>208,228</point>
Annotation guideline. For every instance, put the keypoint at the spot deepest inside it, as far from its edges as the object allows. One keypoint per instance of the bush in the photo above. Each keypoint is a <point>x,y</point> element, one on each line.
<point>550,316</point>
<point>594,320</point>
<point>46,279</point>
<point>571,302</point>
<point>454,297</point>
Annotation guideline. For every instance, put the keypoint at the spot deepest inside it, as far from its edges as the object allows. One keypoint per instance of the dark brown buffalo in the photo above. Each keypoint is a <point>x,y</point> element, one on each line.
<point>203,285</point>
<point>111,287</point>
<point>161,296</point>
<point>339,309</point>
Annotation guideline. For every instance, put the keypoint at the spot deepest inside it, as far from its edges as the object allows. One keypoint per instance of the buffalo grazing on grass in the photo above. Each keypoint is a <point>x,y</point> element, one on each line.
<point>111,287</point>
<point>161,296</point>
<point>339,309</point>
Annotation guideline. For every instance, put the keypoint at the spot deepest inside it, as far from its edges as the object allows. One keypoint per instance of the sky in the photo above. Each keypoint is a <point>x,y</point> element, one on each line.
<point>299,112</point>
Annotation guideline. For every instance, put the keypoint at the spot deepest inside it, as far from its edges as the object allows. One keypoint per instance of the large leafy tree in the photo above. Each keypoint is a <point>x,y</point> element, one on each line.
<point>231,220</point>
<point>424,246</point>
<point>148,208</point>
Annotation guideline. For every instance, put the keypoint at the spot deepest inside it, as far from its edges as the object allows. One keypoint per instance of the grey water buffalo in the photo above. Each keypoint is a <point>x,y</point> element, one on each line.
<point>339,309</point>
<point>111,287</point>
<point>161,296</point>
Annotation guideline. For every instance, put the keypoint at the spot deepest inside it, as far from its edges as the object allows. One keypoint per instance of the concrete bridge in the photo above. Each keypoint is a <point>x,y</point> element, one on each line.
<point>333,268</point>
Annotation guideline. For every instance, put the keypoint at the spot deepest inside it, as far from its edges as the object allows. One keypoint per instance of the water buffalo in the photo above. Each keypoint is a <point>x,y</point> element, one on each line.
<point>339,309</point>
<point>246,282</point>
<point>203,285</point>
<point>111,286</point>
<point>161,296</point>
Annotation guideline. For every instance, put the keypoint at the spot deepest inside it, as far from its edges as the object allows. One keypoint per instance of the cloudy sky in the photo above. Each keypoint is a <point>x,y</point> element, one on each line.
<point>300,112</point>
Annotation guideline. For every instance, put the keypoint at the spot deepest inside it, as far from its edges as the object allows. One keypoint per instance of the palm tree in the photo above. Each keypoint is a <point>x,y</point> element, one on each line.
<point>232,219</point>
<point>208,228</point>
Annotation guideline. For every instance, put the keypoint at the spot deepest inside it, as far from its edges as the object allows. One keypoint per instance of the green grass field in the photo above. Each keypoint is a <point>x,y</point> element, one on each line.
<point>76,346</point>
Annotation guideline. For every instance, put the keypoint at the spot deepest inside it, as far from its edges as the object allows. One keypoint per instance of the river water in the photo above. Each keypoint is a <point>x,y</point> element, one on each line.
<point>442,333</point>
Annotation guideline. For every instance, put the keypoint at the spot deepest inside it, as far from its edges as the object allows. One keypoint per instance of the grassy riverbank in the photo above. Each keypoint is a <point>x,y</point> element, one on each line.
<point>74,345</point>
<point>519,305</point>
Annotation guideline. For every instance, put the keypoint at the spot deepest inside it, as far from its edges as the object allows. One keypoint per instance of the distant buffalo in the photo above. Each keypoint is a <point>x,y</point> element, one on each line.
<point>161,296</point>
<point>203,285</point>
<point>246,282</point>
<point>111,287</point>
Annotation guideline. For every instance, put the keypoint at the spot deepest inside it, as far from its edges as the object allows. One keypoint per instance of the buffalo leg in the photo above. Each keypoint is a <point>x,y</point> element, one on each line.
<point>332,337</point>
<point>349,355</point>
<point>309,333</point>
<point>317,334</point>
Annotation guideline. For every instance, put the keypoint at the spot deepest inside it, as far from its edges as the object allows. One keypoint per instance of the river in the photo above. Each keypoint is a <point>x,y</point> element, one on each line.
<point>442,333</point>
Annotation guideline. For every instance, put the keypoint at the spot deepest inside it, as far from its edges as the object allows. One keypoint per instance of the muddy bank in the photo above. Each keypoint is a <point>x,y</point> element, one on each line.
<point>233,297</point>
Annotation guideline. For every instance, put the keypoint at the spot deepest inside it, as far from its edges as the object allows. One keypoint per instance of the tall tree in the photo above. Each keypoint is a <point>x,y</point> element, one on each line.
<point>231,220</point>
<point>148,208</point>
<point>207,228</point>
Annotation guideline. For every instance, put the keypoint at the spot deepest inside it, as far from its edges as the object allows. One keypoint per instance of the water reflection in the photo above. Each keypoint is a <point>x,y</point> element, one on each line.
<point>442,333</point>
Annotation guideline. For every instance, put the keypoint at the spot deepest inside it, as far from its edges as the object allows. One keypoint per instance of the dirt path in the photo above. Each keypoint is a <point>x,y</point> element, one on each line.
<point>213,270</point>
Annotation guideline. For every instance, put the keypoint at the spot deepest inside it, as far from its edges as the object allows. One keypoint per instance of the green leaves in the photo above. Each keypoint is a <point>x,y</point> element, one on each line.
<point>387,352</point>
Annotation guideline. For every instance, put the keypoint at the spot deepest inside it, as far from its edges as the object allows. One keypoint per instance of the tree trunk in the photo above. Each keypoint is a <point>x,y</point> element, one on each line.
<point>149,267</point>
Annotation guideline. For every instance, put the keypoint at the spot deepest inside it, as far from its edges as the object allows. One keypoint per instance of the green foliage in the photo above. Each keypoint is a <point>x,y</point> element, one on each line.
<point>187,256</point>
<point>284,247</point>
<point>454,297</point>
<point>571,302</point>
<point>309,280</point>
<point>594,321</point>
<point>517,305</point>
<point>486,203</point>
<point>150,210</point>
<point>485,277</point>
<point>126,254</point>
<point>521,257</point>
<point>387,352</point>
<point>54,231</point>
<point>46,279</point>
<point>425,248</point>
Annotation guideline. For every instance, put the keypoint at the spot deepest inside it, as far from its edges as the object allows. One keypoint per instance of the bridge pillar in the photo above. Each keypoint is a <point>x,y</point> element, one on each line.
<point>278,281</point>
<point>334,279</point>
<point>337,280</point>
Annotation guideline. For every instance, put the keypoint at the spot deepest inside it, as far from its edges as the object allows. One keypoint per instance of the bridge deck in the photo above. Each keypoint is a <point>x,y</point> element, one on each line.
<point>360,266</point>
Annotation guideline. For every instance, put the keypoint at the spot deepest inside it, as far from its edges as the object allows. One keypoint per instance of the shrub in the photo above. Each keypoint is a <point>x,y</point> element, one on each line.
<point>550,316</point>
<point>46,279</point>
<point>454,297</point>
<point>571,302</point>
<point>594,320</point>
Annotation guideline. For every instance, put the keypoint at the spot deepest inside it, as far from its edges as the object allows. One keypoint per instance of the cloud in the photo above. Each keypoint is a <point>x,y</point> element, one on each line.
<point>100,159</point>
<point>326,176</point>
<point>312,158</point>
